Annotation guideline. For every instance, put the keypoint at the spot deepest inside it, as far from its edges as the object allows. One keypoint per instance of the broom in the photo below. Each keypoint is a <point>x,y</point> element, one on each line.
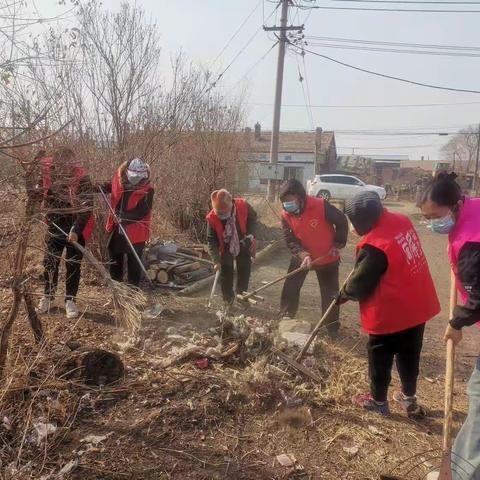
<point>128,301</point>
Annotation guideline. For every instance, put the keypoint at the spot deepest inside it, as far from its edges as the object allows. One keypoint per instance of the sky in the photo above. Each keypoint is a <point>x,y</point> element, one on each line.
<point>202,28</point>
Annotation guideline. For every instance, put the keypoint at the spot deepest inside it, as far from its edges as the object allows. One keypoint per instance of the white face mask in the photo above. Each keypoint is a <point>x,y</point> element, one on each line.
<point>135,178</point>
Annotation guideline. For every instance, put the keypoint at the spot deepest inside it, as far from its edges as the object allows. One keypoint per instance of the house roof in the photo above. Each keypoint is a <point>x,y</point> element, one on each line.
<point>290,142</point>
<point>427,165</point>
<point>388,157</point>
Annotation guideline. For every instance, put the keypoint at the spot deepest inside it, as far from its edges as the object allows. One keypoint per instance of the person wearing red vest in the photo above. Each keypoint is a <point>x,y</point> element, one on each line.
<point>314,231</point>
<point>392,282</point>
<point>231,238</point>
<point>451,213</point>
<point>68,202</point>
<point>131,199</point>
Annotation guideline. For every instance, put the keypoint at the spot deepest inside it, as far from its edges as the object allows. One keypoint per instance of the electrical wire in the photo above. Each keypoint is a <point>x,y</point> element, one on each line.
<point>387,148</point>
<point>413,105</point>
<point>307,85</point>
<point>383,75</point>
<point>418,10</point>
<point>392,50</point>
<point>247,73</point>
<point>301,78</point>
<point>394,44</point>
<point>413,2</point>
<point>236,33</point>
<point>239,53</point>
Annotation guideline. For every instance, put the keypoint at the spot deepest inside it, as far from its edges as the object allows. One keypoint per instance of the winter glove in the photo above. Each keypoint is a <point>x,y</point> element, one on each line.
<point>307,262</point>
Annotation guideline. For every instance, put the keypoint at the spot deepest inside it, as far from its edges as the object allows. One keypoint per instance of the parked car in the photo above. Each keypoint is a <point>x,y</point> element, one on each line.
<point>340,187</point>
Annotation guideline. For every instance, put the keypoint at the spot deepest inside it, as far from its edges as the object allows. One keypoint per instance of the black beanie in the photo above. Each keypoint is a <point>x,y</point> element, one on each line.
<point>364,211</point>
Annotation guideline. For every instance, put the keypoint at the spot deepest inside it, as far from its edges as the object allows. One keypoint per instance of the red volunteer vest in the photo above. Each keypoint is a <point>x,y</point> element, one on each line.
<point>78,174</point>
<point>241,208</point>
<point>467,229</point>
<point>137,232</point>
<point>315,234</point>
<point>405,296</point>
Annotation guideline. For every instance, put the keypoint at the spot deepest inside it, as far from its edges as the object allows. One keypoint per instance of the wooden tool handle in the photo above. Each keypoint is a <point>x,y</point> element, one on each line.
<point>320,323</point>
<point>449,373</point>
<point>246,296</point>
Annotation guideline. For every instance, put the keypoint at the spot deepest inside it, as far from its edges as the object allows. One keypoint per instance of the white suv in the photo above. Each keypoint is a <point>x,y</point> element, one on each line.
<point>340,187</point>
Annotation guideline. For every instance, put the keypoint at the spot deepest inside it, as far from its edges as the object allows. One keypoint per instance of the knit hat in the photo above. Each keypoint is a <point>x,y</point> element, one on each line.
<point>364,211</point>
<point>137,171</point>
<point>221,199</point>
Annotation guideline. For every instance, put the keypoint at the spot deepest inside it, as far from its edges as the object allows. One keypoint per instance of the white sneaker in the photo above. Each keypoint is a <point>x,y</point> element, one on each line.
<point>71,309</point>
<point>44,305</point>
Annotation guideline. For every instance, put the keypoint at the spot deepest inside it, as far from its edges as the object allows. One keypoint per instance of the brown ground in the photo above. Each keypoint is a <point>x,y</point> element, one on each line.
<point>229,421</point>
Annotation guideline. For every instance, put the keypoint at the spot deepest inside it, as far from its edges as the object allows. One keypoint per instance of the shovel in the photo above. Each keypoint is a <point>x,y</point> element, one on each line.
<point>253,294</point>
<point>214,287</point>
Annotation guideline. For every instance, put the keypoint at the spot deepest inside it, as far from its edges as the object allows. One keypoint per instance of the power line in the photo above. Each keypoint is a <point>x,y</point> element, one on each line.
<point>413,2</point>
<point>413,105</point>
<point>301,78</point>
<point>236,32</point>
<point>307,88</point>
<point>391,77</point>
<point>418,10</point>
<point>394,44</point>
<point>397,147</point>
<point>392,50</point>
<point>255,66</point>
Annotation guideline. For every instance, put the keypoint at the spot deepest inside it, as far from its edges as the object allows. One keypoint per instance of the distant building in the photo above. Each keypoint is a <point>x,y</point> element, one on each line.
<point>301,155</point>
<point>378,169</point>
<point>430,166</point>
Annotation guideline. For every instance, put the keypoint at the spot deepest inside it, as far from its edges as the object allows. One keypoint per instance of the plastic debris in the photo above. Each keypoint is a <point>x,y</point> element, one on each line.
<point>286,460</point>
<point>42,430</point>
<point>95,439</point>
<point>202,363</point>
<point>352,451</point>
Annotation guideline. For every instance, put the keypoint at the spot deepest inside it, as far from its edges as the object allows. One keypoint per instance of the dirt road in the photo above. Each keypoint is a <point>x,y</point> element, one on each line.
<point>435,247</point>
<point>231,420</point>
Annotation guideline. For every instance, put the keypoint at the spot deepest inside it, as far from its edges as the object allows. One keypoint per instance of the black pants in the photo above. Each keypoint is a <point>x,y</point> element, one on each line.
<point>327,276</point>
<point>244,267</point>
<point>73,262</point>
<point>405,347</point>
<point>117,249</point>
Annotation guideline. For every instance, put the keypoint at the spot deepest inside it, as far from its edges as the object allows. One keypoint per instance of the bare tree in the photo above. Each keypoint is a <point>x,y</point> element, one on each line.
<point>122,51</point>
<point>464,146</point>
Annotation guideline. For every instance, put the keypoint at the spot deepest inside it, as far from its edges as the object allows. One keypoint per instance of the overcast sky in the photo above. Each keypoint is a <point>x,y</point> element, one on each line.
<point>203,27</point>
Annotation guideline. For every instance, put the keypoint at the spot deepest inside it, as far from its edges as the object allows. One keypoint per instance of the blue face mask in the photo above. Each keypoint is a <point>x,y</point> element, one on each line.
<point>291,207</point>
<point>442,225</point>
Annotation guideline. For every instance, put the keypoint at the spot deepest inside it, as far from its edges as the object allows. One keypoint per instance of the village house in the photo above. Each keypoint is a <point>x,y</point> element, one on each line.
<point>301,155</point>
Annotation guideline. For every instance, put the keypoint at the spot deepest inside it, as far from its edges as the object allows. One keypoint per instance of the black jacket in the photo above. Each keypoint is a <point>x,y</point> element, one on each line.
<point>468,266</point>
<point>371,264</point>
<point>68,217</point>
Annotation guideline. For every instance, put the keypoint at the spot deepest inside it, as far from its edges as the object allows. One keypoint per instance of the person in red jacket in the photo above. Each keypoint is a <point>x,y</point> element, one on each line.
<point>132,200</point>
<point>231,238</point>
<point>393,285</point>
<point>314,231</point>
<point>68,202</point>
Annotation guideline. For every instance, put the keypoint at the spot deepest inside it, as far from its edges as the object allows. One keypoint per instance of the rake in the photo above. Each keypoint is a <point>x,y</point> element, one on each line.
<point>252,297</point>
<point>410,467</point>
<point>128,301</point>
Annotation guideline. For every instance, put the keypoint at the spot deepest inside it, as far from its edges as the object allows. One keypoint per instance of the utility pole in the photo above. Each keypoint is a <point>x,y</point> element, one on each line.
<point>282,42</point>
<point>475,172</point>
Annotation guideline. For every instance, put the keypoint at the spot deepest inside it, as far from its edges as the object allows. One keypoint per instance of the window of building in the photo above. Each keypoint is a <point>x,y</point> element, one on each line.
<point>288,158</point>
<point>293,172</point>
